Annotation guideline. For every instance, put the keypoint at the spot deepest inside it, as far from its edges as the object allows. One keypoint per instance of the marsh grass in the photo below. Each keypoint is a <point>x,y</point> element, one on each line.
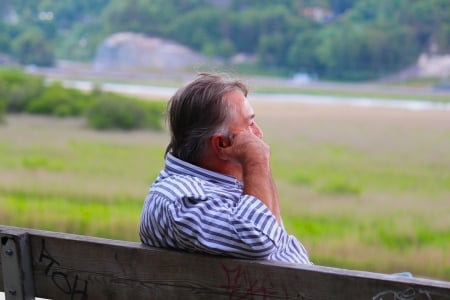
<point>360,193</point>
<point>91,217</point>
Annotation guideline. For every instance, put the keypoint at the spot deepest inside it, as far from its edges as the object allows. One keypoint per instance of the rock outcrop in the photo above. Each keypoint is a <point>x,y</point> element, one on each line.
<point>137,52</point>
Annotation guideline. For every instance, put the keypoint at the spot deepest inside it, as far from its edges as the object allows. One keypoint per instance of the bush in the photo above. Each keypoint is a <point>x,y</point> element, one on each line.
<point>2,109</point>
<point>20,92</point>
<point>111,111</point>
<point>18,89</point>
<point>59,101</point>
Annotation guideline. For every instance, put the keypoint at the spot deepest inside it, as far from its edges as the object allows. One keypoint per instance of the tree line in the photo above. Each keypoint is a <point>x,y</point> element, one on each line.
<point>336,39</point>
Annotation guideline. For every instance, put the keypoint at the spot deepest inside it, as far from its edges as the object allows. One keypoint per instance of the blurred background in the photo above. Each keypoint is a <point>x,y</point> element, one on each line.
<point>325,39</point>
<point>353,96</point>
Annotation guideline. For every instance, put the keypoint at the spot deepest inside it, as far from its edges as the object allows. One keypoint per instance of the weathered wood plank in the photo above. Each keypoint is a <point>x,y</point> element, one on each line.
<point>80,267</point>
<point>2,288</point>
<point>16,267</point>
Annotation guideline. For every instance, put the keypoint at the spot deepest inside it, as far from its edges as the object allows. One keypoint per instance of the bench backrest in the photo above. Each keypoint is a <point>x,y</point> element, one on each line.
<point>66,266</point>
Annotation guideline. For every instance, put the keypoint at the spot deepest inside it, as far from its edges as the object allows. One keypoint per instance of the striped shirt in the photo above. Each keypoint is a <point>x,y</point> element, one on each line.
<point>197,210</point>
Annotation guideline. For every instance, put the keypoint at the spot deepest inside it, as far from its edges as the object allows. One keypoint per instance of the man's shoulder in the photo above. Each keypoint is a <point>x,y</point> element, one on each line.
<point>177,179</point>
<point>180,185</point>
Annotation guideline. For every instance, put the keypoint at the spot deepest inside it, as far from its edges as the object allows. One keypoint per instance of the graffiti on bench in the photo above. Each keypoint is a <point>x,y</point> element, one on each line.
<point>407,294</point>
<point>243,284</point>
<point>69,285</point>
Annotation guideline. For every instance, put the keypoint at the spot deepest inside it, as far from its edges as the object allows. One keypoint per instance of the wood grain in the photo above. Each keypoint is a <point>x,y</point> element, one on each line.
<point>67,266</point>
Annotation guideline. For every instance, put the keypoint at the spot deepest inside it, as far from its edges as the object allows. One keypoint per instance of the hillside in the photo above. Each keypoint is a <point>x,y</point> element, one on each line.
<point>339,40</point>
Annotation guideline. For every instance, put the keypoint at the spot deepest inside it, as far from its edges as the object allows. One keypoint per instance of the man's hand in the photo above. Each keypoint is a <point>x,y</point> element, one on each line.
<point>253,154</point>
<point>247,150</point>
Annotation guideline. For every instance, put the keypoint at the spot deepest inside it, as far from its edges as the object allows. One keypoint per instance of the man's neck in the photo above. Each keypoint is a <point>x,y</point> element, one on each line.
<point>223,167</point>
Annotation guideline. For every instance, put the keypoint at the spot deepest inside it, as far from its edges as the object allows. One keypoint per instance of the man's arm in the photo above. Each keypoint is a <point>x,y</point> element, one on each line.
<point>254,156</point>
<point>258,182</point>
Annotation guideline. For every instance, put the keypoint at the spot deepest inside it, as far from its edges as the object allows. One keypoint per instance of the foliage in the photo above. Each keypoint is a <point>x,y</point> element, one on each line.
<point>2,109</point>
<point>31,47</point>
<point>355,40</point>
<point>57,100</point>
<point>20,92</point>
<point>112,111</point>
<point>18,89</point>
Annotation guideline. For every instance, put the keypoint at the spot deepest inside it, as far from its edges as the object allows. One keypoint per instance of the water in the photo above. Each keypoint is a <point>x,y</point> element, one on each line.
<point>410,104</point>
<point>167,92</point>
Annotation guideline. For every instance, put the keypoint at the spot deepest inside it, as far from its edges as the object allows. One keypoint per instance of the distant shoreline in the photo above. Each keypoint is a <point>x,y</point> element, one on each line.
<point>166,92</point>
<point>408,104</point>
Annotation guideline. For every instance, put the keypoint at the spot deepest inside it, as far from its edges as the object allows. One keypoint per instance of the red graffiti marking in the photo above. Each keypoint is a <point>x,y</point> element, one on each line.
<point>243,285</point>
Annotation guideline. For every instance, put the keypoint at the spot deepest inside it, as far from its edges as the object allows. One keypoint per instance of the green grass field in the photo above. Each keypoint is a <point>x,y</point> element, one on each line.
<point>363,189</point>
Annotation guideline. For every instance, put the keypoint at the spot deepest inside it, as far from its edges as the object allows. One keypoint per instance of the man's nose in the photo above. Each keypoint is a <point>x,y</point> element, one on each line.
<point>257,131</point>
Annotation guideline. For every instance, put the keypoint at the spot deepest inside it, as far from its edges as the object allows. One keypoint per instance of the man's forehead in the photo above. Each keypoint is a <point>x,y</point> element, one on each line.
<point>240,102</point>
<point>248,106</point>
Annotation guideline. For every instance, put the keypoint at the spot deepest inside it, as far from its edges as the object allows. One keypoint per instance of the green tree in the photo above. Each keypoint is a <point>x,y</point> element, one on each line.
<point>200,28</point>
<point>443,38</point>
<point>272,49</point>
<point>268,31</point>
<point>30,47</point>
<point>245,30</point>
<point>18,89</point>
<point>302,54</point>
<point>341,6</point>
<point>4,39</point>
<point>149,17</point>
<point>365,37</point>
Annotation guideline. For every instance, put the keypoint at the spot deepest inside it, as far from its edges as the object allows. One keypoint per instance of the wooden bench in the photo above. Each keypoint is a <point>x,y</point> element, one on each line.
<point>66,266</point>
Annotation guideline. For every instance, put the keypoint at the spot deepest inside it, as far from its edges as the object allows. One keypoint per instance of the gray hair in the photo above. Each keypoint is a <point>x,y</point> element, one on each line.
<point>197,111</point>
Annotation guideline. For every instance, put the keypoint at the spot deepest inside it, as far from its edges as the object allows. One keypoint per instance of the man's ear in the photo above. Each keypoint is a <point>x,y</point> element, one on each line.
<point>218,143</point>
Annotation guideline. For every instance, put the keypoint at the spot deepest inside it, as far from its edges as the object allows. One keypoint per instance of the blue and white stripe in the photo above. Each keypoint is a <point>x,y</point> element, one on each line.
<point>197,210</point>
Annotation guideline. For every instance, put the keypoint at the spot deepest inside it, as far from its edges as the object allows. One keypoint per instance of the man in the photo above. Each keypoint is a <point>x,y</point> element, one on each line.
<point>216,193</point>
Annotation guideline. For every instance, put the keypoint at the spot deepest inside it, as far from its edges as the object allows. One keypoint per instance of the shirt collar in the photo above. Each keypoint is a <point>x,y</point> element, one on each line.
<point>176,165</point>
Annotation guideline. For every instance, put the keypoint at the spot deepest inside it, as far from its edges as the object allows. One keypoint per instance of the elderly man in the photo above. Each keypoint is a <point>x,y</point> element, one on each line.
<point>216,193</point>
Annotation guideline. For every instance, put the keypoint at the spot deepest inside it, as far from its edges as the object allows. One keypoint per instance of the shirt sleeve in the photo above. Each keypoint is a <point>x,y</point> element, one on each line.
<point>247,230</point>
<point>210,226</point>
